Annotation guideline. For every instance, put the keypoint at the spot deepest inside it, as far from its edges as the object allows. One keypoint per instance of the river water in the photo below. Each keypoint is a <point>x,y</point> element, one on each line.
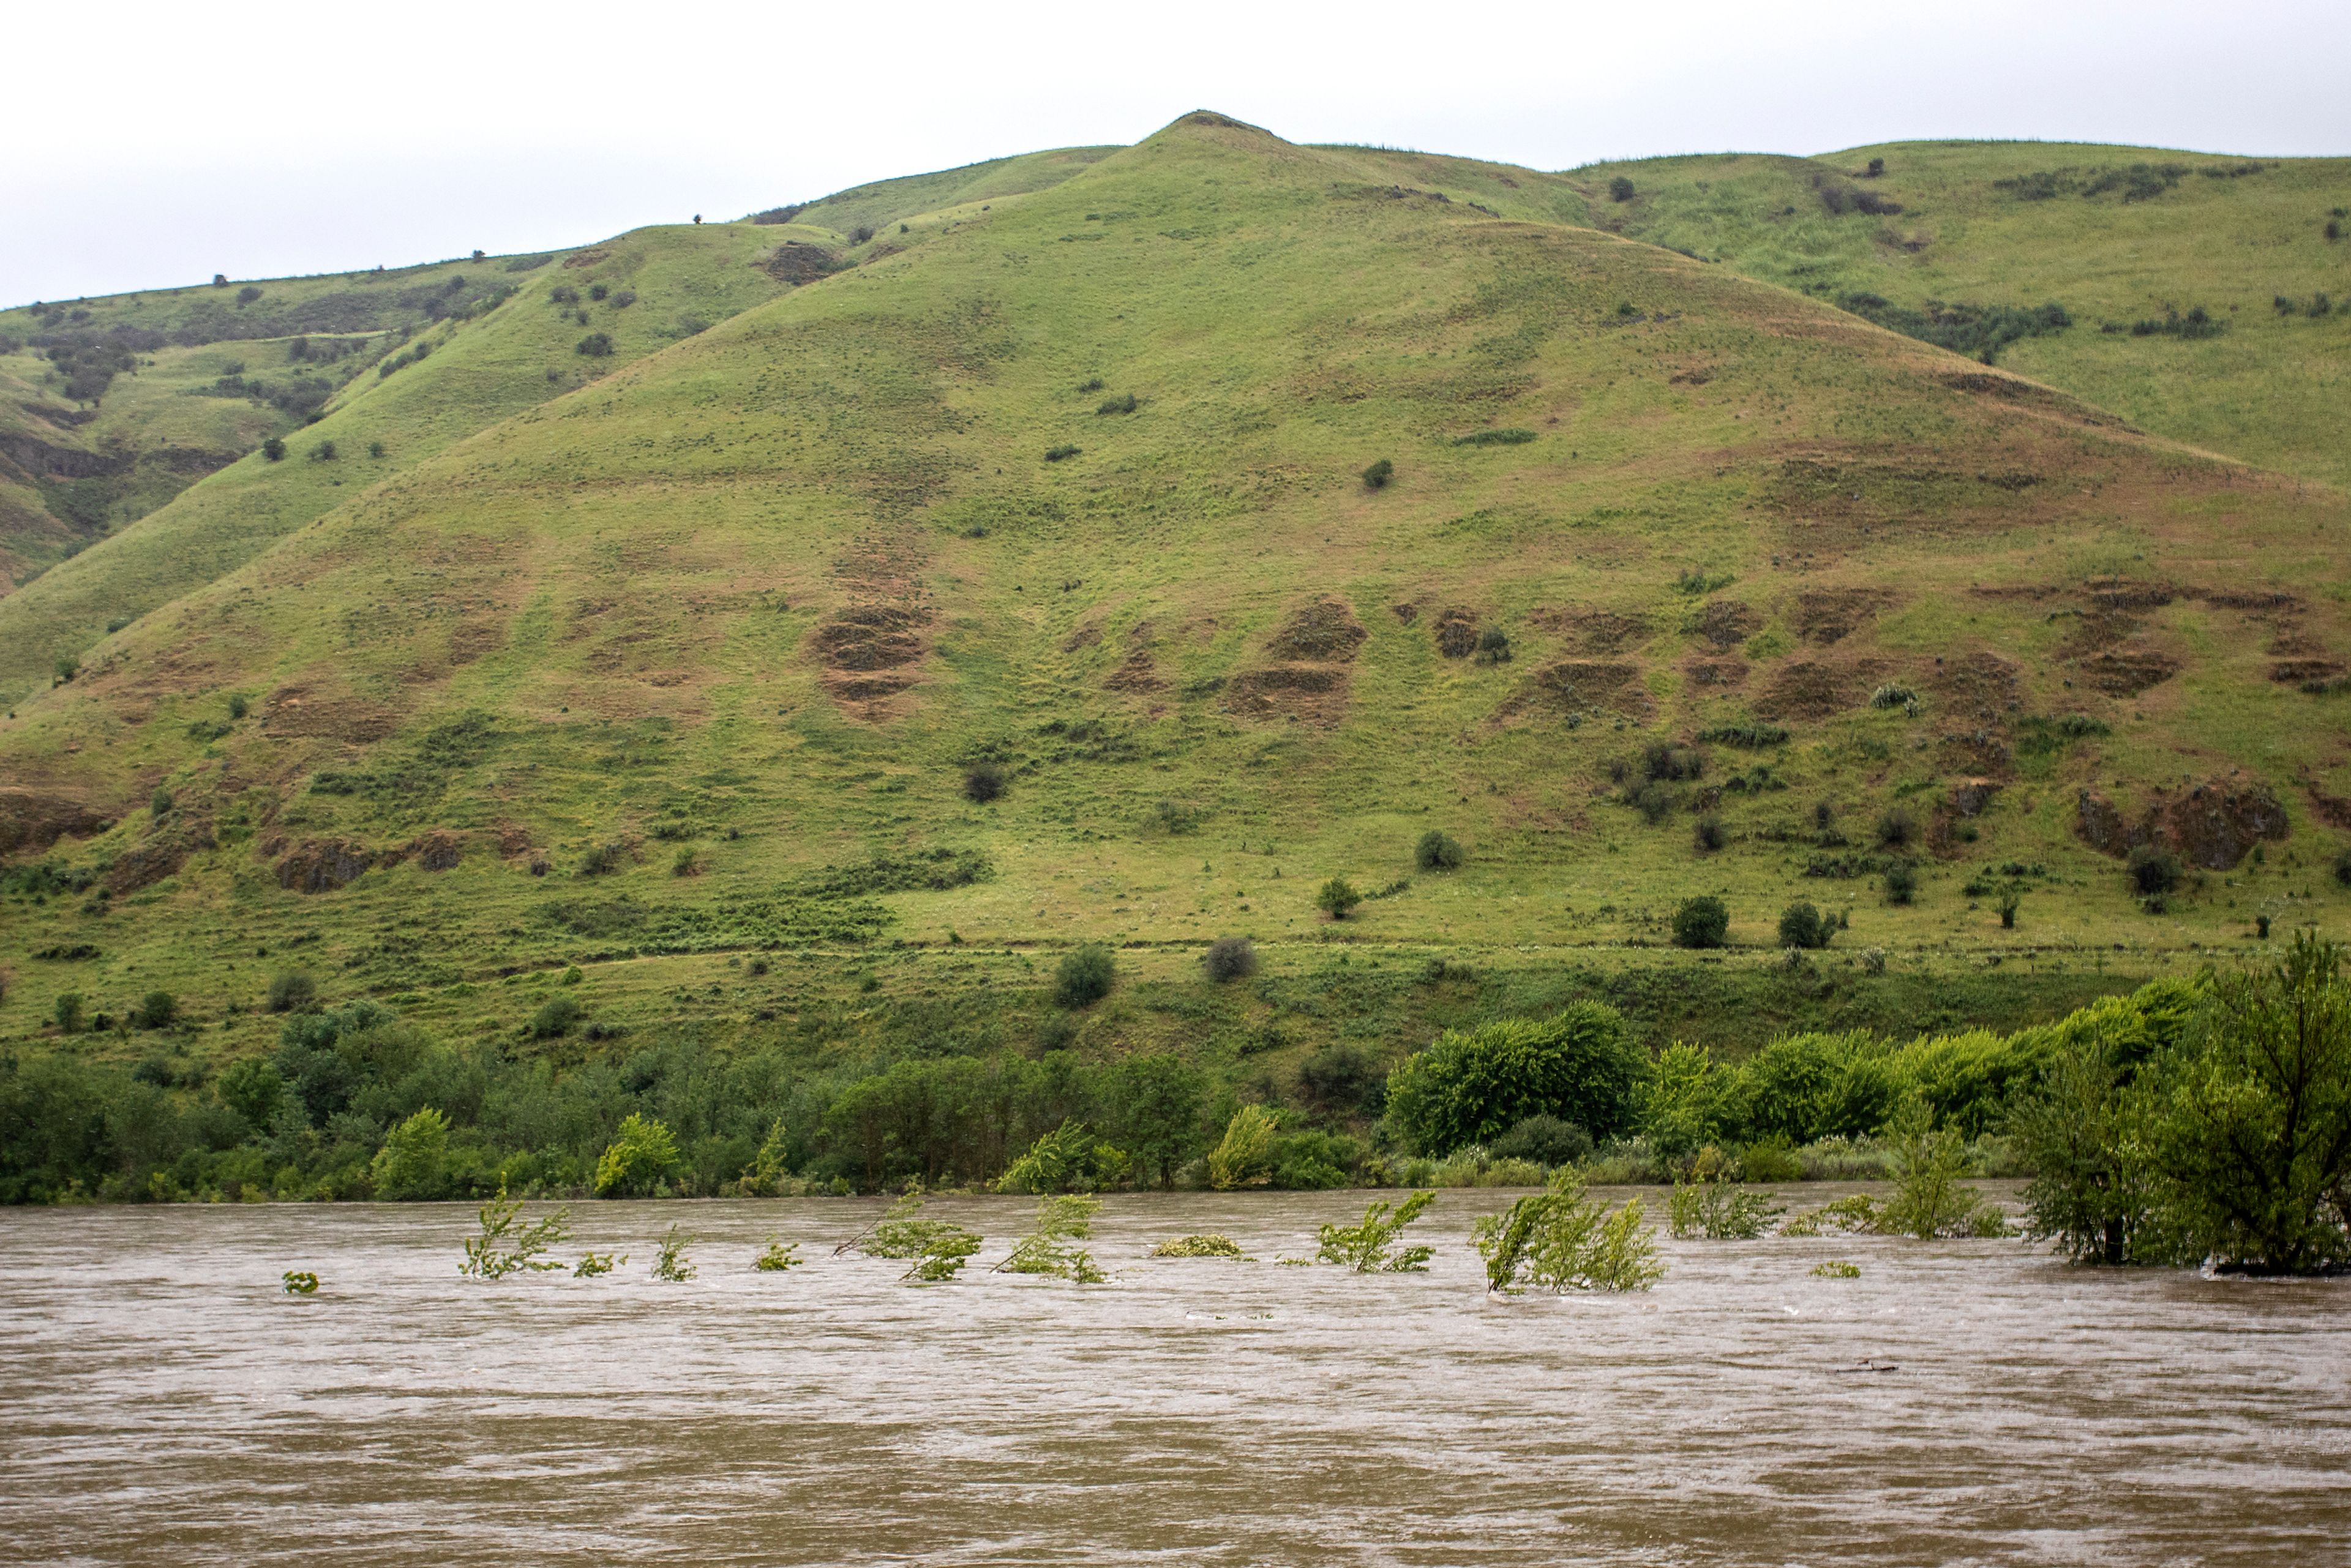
<point>1960,1402</point>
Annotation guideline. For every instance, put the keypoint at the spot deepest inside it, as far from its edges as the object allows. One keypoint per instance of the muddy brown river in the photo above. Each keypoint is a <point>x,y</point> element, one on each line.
<point>1960,1402</point>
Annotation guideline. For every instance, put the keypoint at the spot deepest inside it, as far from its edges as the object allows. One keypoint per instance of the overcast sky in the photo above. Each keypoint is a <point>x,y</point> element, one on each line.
<point>151,144</point>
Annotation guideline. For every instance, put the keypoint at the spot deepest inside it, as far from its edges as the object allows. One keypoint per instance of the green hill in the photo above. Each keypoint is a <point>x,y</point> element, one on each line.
<point>2132,242</point>
<point>1020,581</point>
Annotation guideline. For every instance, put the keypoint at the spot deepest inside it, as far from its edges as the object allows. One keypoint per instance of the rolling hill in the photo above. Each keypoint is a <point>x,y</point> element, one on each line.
<point>1024,572</point>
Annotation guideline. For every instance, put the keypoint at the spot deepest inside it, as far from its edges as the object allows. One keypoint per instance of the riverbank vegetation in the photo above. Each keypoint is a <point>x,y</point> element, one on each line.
<point>2191,1118</point>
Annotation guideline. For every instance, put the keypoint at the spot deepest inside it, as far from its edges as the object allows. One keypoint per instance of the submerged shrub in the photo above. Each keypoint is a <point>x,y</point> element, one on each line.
<point>1720,1211</point>
<point>1372,1247</point>
<point>1244,1156</point>
<point>779,1257</point>
<point>1559,1240</point>
<point>1049,1248</point>
<point>501,1249</point>
<point>1198,1246</point>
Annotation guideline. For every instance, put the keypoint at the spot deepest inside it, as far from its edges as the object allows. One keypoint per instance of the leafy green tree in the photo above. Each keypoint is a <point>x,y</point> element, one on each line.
<point>642,1155</point>
<point>1160,1097</point>
<point>1244,1157</point>
<point>1336,897</point>
<point>1437,850</point>
<point>1800,925</point>
<point>1049,1248</point>
<point>1067,1159</point>
<point>2248,1120</point>
<point>501,1249</point>
<point>1472,1087</point>
<point>1688,1101</point>
<point>68,1012</point>
<point>414,1160</point>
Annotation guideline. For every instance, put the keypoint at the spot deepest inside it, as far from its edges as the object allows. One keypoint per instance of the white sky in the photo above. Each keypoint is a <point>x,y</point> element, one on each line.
<point>150,144</point>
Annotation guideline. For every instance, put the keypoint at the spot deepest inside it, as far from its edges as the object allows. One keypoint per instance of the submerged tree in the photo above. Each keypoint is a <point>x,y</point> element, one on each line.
<point>936,1250</point>
<point>1559,1239</point>
<point>1049,1249</point>
<point>1067,1159</point>
<point>1372,1247</point>
<point>1929,1198</point>
<point>501,1249</point>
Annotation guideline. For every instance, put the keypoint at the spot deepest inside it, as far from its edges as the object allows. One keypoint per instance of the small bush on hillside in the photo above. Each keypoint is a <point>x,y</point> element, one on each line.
<point>598,291</point>
<point>1701,922</point>
<point>1708,835</point>
<point>1749,735</point>
<point>274,449</point>
<point>2153,869</point>
<point>1437,850</point>
<point>248,293</point>
<point>1898,829</point>
<point>1654,801</point>
<point>555,1017</point>
<point>68,1012</point>
<point>983,782</point>
<point>624,298</point>
<point>238,707</point>
<point>1495,438</point>
<point>1117,404</point>
<point>1093,383</point>
<point>293,992</point>
<point>596,345</point>
<point>1893,695</point>
<point>1493,646</point>
<point>860,234</point>
<point>1803,926</point>
<point>1061,454</point>
<point>604,860</point>
<point>1901,883</point>
<point>157,1009</point>
<point>1336,897</point>
<point>1230,958</point>
<point>1377,475</point>
<point>1085,977</point>
<point>1664,760</point>
<point>323,453</point>
<point>1620,189</point>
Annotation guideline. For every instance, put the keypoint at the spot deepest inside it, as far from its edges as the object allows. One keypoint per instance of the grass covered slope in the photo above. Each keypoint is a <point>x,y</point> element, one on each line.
<point>470,344</point>
<point>1026,588</point>
<point>2133,243</point>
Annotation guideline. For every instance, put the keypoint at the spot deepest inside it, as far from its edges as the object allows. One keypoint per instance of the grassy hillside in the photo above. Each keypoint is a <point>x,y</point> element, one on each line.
<point>2131,241</point>
<point>448,352</point>
<point>702,660</point>
<point>875,207</point>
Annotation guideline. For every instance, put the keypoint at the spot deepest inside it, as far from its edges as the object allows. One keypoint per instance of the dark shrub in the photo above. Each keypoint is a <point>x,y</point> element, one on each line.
<point>248,293</point>
<point>1230,958</point>
<point>293,992</point>
<point>1058,1032</point>
<point>1084,978</point>
<point>1802,925</point>
<point>2153,869</point>
<point>982,783</point>
<point>1702,922</point>
<point>2343,868</point>
<point>1117,404</point>
<point>555,1017</point>
<point>1654,801</point>
<point>1898,829</point>
<point>274,449</point>
<point>1620,189</point>
<point>1378,474</point>
<point>237,707</point>
<point>1544,1139</point>
<point>1664,760</point>
<point>1437,852</point>
<point>1341,1078</point>
<point>596,345</point>
<point>1901,883</point>
<point>1493,646</point>
<point>860,234</point>
<point>157,1009</point>
<point>1061,454</point>
<point>1709,835</point>
<point>2008,906</point>
<point>323,453</point>
<point>1472,1087</point>
<point>598,291</point>
<point>604,860</point>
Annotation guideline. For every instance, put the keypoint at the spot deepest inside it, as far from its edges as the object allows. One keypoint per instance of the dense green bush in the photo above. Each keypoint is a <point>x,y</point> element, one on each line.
<point>1901,880</point>
<point>157,1009</point>
<point>1336,897</point>
<point>1437,850</point>
<point>1803,926</point>
<point>595,345</point>
<point>1378,476</point>
<point>293,992</point>
<point>1701,922</point>
<point>983,782</point>
<point>1472,1087</point>
<point>1708,835</point>
<point>273,450</point>
<point>1620,189</point>
<point>1545,1140</point>
<point>1084,977</point>
<point>641,1156</point>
